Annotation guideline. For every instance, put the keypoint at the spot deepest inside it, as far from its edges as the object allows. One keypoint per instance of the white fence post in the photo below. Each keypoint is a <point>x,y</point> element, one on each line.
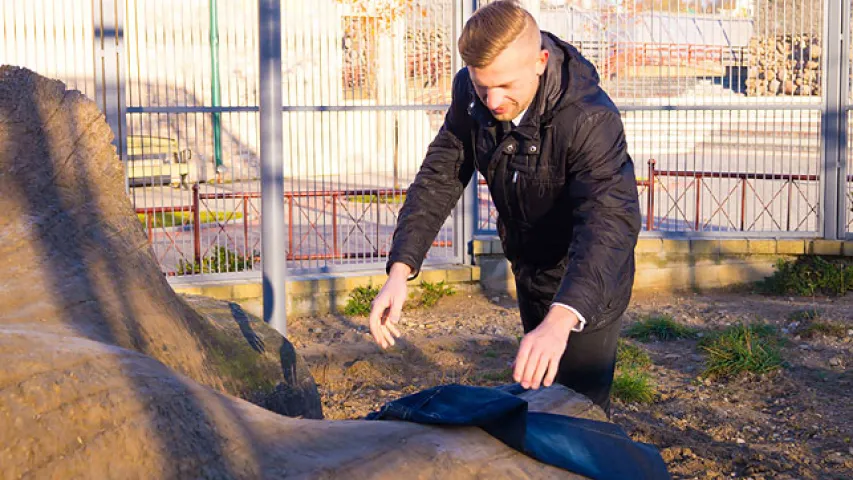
<point>110,60</point>
<point>834,120</point>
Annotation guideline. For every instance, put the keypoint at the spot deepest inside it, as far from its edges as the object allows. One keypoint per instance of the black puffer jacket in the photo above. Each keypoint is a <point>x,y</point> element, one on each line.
<point>562,181</point>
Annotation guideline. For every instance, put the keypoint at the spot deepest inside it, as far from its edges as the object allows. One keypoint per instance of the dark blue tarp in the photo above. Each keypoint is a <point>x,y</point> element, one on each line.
<point>595,449</point>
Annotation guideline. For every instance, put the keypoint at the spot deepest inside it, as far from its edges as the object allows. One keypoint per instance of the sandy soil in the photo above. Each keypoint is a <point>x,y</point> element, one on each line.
<point>796,422</point>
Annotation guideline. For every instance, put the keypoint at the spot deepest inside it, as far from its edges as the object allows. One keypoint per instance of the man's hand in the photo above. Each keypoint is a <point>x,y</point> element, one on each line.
<point>542,348</point>
<point>388,304</point>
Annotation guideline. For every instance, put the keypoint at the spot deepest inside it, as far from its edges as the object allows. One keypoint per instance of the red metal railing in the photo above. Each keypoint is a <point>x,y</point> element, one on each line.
<point>348,211</point>
<point>339,211</point>
<point>746,183</point>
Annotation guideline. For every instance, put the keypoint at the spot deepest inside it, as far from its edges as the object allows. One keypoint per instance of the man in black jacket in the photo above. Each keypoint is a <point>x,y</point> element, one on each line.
<point>528,113</point>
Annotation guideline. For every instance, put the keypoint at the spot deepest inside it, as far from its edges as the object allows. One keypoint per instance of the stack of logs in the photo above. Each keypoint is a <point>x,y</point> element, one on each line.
<point>784,65</point>
<point>428,54</point>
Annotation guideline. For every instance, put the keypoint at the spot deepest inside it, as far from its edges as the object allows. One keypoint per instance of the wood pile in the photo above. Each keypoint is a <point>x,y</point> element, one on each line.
<point>784,65</point>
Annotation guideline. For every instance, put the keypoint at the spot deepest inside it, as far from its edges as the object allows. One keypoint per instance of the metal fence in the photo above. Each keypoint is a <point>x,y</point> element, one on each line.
<point>736,115</point>
<point>363,92</point>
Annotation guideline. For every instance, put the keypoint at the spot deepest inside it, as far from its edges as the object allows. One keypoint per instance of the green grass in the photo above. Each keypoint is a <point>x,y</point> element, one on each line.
<point>659,327</point>
<point>822,329</point>
<point>629,356</point>
<point>359,301</point>
<point>221,260</point>
<point>502,376</point>
<point>172,219</point>
<point>806,315</point>
<point>740,349</point>
<point>810,275</point>
<point>811,325</point>
<point>634,386</point>
<point>632,382</point>
<point>390,198</point>
<point>431,293</point>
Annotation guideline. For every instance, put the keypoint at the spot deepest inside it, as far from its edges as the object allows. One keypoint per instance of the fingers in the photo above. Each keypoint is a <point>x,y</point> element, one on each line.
<point>384,328</point>
<point>521,360</point>
<point>537,362</point>
<point>541,367</point>
<point>553,366</point>
<point>527,379</point>
<point>395,313</point>
<point>393,329</point>
<point>379,310</point>
<point>385,313</point>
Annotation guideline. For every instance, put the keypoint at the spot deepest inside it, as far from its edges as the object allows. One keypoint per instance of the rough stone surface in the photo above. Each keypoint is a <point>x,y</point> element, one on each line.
<point>108,374</point>
<point>76,260</point>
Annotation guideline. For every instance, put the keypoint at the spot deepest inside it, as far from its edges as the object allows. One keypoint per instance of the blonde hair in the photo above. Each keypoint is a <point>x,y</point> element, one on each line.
<point>490,30</point>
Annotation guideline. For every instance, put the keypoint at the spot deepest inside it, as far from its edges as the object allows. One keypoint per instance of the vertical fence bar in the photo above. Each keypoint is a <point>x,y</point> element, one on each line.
<point>845,181</point>
<point>246,226</point>
<point>834,125</point>
<point>273,256</point>
<point>109,76</point>
<point>467,212</point>
<point>650,192</point>
<point>196,225</point>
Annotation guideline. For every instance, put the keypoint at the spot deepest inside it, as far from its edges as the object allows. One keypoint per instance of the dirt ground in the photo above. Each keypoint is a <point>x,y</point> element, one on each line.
<point>796,422</point>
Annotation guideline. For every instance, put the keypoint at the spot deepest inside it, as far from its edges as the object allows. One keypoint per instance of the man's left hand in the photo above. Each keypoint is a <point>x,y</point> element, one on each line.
<point>540,350</point>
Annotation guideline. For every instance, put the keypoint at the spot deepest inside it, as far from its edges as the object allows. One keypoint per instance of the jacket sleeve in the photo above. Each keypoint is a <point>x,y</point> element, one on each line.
<point>606,215</point>
<point>438,185</point>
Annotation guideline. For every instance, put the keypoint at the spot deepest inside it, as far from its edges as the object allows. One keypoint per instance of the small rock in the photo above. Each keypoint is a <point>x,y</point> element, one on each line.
<point>835,361</point>
<point>850,332</point>
<point>672,356</point>
<point>740,441</point>
<point>496,299</point>
<point>804,347</point>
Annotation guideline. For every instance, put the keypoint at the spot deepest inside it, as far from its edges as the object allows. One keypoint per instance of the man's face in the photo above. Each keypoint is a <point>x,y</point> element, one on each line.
<point>508,85</point>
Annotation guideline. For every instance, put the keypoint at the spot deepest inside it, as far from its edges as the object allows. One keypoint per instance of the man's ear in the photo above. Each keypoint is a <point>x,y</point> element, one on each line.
<point>542,61</point>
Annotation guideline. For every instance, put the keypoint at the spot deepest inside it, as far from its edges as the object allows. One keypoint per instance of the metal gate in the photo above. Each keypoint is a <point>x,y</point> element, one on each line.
<point>364,91</point>
<point>736,117</point>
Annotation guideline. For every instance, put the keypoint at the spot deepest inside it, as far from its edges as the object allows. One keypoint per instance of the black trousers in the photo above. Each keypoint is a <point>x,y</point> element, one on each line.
<point>588,364</point>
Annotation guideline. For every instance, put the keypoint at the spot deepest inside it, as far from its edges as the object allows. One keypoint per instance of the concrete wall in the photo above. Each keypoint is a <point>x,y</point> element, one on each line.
<point>663,265</point>
<point>666,265</point>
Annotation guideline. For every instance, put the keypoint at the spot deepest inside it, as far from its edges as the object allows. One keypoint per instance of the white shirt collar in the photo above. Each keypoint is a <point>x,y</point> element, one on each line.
<point>517,120</point>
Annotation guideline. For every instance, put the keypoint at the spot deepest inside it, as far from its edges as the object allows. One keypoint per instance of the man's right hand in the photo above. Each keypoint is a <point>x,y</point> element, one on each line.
<point>388,305</point>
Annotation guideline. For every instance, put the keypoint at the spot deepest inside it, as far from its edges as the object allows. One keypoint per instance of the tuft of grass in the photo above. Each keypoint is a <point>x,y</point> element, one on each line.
<point>740,349</point>
<point>431,293</point>
<point>634,386</point>
<point>394,199</point>
<point>632,382</point>
<point>629,356</point>
<point>501,376</point>
<point>173,219</point>
<point>659,327</point>
<point>805,315</point>
<point>359,301</point>
<point>810,275</point>
<point>822,329</point>
<point>220,260</point>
